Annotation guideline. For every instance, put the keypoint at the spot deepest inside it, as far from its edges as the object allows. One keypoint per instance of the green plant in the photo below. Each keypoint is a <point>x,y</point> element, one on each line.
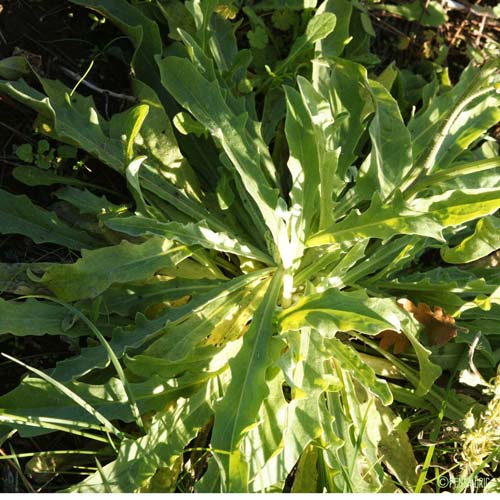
<point>238,304</point>
<point>44,157</point>
<point>480,450</point>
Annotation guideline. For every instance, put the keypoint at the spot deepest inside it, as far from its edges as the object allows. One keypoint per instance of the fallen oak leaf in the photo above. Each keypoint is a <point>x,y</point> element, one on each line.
<point>391,338</point>
<point>439,326</point>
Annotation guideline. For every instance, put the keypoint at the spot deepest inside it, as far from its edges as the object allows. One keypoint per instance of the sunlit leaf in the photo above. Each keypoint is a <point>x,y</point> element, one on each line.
<point>99,269</point>
<point>247,389</point>
<point>485,240</point>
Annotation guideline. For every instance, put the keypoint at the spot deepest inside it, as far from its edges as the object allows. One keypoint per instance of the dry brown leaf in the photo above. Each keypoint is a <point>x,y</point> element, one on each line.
<point>439,326</point>
<point>396,340</point>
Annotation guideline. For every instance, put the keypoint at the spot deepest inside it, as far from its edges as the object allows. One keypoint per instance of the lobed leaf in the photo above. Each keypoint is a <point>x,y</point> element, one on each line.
<point>343,311</point>
<point>98,269</point>
<point>364,374</point>
<point>247,389</point>
<point>205,100</point>
<point>143,331</point>
<point>34,317</point>
<point>390,158</point>
<point>138,459</point>
<point>380,221</point>
<point>18,215</point>
<point>485,240</point>
<point>189,234</point>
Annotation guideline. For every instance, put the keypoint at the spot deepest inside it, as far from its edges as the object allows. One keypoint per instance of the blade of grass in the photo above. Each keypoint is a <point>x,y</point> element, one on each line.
<point>31,454</point>
<point>56,424</point>
<point>433,437</point>
<point>112,356</point>
<point>102,473</point>
<point>107,425</point>
<point>17,466</point>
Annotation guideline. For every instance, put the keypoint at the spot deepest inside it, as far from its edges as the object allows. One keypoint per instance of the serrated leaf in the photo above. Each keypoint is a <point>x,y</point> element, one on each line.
<point>380,221</point>
<point>18,215</point>
<point>391,154</point>
<point>485,240</point>
<point>342,310</point>
<point>284,19</point>
<point>35,318</point>
<point>258,38</point>
<point>138,459</point>
<point>98,269</point>
<point>364,374</point>
<point>319,27</point>
<point>248,388</point>
<point>189,234</point>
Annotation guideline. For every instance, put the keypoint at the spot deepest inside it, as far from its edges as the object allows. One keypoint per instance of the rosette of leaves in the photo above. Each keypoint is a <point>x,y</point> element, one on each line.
<point>228,314</point>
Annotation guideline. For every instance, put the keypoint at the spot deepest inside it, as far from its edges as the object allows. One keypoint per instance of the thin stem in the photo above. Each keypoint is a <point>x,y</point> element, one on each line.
<point>81,80</point>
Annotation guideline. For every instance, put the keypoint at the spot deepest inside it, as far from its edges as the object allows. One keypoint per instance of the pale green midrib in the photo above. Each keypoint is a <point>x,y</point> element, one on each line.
<point>272,292</point>
<point>362,227</point>
<point>452,171</point>
<point>422,287</point>
<point>438,215</point>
